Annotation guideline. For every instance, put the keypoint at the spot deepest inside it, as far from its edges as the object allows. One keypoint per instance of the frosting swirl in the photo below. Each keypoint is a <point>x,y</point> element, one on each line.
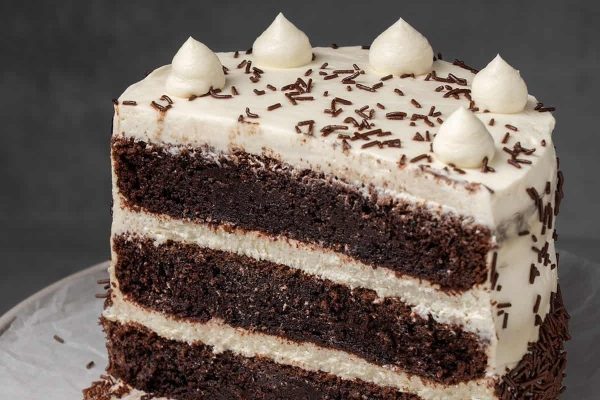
<point>401,49</point>
<point>499,88</point>
<point>282,45</point>
<point>463,140</point>
<point>195,70</point>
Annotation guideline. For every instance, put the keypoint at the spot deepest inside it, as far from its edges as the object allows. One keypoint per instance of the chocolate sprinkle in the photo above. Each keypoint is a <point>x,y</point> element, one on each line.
<point>421,157</point>
<point>536,306</point>
<point>395,115</point>
<point>462,64</point>
<point>166,98</point>
<point>533,273</point>
<point>217,95</point>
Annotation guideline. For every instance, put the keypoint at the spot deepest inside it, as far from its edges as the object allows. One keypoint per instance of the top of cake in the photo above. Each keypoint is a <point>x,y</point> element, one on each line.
<point>389,116</point>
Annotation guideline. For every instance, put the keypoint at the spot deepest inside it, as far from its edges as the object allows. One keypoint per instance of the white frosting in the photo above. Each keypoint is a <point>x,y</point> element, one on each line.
<point>401,49</point>
<point>499,88</point>
<point>515,256</point>
<point>195,69</point>
<point>223,337</point>
<point>282,45</point>
<point>463,140</point>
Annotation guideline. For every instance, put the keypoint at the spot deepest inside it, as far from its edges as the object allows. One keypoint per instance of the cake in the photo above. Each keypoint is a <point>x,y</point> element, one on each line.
<point>365,222</point>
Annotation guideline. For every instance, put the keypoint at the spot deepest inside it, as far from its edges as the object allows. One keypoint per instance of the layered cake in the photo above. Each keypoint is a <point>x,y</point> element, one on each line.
<point>367,222</point>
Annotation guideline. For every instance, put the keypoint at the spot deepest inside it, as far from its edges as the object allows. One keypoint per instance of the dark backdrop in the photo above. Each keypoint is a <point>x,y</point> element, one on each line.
<point>62,62</point>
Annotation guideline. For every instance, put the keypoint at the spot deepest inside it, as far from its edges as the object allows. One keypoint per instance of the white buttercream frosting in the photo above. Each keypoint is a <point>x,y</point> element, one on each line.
<point>401,49</point>
<point>499,88</point>
<point>194,70</point>
<point>463,140</point>
<point>282,45</point>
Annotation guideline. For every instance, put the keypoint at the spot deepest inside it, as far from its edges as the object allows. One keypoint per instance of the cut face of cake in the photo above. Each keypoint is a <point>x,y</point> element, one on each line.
<point>352,224</point>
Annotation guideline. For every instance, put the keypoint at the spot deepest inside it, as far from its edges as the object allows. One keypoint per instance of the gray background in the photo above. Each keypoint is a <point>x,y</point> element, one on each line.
<point>62,62</point>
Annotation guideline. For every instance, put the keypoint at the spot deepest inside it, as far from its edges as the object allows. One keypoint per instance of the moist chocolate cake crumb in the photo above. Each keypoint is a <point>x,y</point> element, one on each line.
<point>192,372</point>
<point>261,193</point>
<point>196,283</point>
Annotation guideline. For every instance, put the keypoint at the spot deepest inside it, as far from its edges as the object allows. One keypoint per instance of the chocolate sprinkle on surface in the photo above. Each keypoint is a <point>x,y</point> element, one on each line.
<point>536,306</point>
<point>58,339</point>
<point>462,64</point>
<point>166,98</point>
<point>250,114</point>
<point>399,115</point>
<point>160,107</point>
<point>217,95</point>
<point>421,157</point>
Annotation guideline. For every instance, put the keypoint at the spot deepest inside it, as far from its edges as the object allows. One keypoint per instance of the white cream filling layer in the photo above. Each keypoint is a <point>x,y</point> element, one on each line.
<point>223,337</point>
<point>469,310</point>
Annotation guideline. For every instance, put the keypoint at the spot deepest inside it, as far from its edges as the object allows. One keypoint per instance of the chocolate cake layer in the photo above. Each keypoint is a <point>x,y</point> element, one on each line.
<point>191,282</point>
<point>539,375</point>
<point>192,372</point>
<point>261,193</point>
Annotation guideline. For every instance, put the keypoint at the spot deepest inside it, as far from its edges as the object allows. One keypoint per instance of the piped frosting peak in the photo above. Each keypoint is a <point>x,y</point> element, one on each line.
<point>282,45</point>
<point>195,70</point>
<point>463,140</point>
<point>499,88</point>
<point>401,49</point>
